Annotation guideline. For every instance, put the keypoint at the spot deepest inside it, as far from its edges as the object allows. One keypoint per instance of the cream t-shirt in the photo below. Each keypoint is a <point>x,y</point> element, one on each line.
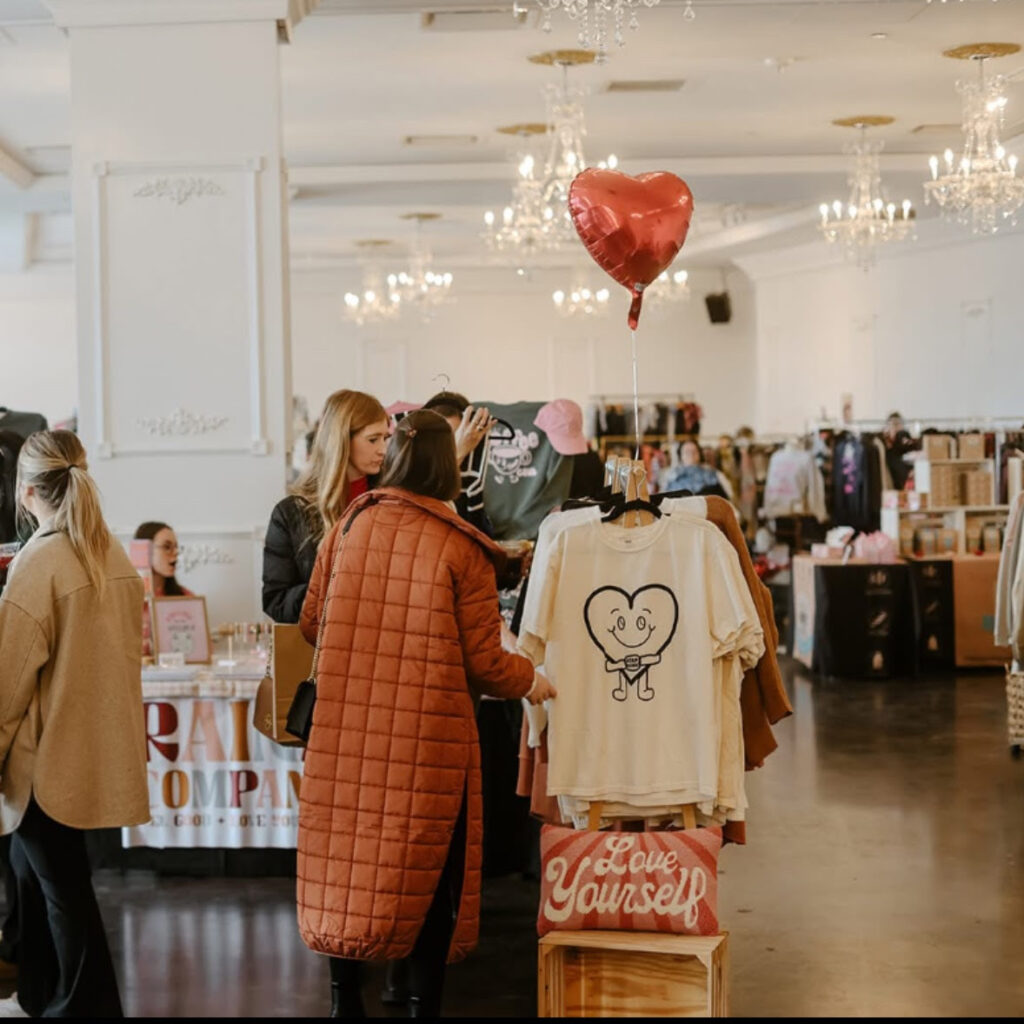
<point>628,624</point>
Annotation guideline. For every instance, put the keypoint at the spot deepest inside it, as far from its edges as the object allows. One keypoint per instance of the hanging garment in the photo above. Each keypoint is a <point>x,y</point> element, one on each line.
<point>23,423</point>
<point>1009,627</point>
<point>857,490</point>
<point>690,478</point>
<point>794,485</point>
<point>629,624</point>
<point>526,478</point>
<point>470,503</point>
<point>748,492</point>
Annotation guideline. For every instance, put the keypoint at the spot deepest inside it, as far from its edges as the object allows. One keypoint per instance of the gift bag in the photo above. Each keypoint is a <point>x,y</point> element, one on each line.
<point>289,662</point>
<point>629,881</point>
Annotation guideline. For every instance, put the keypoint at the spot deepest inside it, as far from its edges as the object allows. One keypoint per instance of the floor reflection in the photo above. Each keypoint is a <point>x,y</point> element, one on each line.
<point>883,874</point>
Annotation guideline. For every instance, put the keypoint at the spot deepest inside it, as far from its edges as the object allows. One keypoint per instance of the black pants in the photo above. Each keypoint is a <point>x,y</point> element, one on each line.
<point>64,966</point>
<point>11,926</point>
<point>426,964</point>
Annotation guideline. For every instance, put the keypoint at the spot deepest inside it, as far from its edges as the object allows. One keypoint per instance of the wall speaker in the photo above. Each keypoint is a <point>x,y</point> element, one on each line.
<point>719,307</point>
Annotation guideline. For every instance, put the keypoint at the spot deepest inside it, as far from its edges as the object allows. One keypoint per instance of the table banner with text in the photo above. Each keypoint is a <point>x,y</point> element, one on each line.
<point>214,781</point>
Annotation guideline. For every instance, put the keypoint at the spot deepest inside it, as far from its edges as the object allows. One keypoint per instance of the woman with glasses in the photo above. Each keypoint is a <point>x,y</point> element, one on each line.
<point>164,563</point>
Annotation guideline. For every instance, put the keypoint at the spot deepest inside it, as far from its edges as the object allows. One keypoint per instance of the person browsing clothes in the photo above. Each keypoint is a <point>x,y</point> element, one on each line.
<point>390,815</point>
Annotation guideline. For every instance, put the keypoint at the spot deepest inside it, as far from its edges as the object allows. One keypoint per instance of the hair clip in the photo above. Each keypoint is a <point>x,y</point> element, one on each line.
<point>411,433</point>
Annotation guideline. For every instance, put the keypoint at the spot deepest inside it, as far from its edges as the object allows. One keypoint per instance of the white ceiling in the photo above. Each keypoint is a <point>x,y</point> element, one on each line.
<point>750,130</point>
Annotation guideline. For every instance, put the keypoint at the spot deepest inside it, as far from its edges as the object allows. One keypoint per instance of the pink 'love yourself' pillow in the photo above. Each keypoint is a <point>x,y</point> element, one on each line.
<point>629,881</point>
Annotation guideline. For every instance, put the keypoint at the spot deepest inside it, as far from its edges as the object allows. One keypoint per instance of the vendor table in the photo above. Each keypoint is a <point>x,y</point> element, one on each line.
<point>863,620</point>
<point>214,781</point>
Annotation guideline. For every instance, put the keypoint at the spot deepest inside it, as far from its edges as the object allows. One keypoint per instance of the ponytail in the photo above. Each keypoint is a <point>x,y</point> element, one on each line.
<point>53,462</point>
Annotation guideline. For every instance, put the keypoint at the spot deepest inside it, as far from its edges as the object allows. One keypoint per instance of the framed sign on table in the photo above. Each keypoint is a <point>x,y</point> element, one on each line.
<point>180,625</point>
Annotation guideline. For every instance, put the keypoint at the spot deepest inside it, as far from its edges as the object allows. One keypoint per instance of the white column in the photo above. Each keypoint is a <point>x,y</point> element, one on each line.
<point>179,198</point>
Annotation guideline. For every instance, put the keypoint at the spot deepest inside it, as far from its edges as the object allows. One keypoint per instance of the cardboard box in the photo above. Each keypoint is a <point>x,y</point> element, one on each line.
<point>976,487</point>
<point>974,608</point>
<point>907,540</point>
<point>991,538</point>
<point>938,446</point>
<point>945,490</point>
<point>971,446</point>
<point>972,539</point>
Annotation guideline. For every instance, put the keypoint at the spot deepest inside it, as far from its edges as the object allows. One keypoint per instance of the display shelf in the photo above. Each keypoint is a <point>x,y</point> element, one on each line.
<point>941,509</point>
<point>951,517</point>
<point>951,462</point>
<point>937,475</point>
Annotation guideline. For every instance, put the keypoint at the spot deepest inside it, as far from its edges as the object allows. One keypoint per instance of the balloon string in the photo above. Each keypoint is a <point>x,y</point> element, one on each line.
<point>636,398</point>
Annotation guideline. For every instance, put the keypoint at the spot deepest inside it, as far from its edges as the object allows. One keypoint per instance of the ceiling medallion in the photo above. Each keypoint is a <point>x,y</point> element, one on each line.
<point>864,121</point>
<point>567,57</point>
<point>974,51</point>
<point>866,219</point>
<point>980,189</point>
<point>526,128</point>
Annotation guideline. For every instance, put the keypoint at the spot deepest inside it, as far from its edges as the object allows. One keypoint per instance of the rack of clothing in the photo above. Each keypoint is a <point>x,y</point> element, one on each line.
<point>661,640</point>
<point>610,419</point>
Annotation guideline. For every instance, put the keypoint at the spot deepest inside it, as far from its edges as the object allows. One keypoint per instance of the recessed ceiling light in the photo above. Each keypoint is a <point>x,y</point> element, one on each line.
<point>879,35</point>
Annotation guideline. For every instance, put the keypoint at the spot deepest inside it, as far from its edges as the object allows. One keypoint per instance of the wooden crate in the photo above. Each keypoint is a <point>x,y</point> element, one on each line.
<point>632,974</point>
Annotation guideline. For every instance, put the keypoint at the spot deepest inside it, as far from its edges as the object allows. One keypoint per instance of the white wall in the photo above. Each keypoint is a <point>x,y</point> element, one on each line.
<point>38,358</point>
<point>503,340</point>
<point>935,331</point>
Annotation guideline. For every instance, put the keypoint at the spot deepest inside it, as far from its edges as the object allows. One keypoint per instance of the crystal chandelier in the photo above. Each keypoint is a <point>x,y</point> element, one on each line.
<point>866,219</point>
<point>525,223</point>
<point>593,16</point>
<point>980,190</point>
<point>668,289</point>
<point>581,301</point>
<point>378,299</point>
<point>421,287</point>
<point>538,220</point>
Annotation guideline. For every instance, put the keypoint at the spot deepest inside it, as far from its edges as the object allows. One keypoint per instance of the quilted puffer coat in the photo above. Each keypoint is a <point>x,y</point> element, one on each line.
<point>411,623</point>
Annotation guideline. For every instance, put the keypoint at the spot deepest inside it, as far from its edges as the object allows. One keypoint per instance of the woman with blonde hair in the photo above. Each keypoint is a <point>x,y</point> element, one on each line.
<point>72,731</point>
<point>348,451</point>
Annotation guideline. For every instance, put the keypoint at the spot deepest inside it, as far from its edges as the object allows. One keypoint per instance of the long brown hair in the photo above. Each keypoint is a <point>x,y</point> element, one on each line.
<point>324,482</point>
<point>53,462</point>
<point>148,531</point>
<point>421,457</point>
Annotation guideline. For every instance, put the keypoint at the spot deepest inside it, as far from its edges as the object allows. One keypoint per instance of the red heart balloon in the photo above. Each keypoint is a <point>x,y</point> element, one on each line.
<point>632,227</point>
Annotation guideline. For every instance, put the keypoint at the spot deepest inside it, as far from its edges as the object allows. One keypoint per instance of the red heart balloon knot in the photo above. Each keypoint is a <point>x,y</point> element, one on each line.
<point>634,308</point>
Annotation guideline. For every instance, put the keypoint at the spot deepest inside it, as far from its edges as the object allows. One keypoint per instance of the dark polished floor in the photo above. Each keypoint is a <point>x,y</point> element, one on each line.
<point>884,874</point>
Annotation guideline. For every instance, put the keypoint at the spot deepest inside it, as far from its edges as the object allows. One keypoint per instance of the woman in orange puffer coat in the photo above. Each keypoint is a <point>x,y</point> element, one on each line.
<point>390,819</point>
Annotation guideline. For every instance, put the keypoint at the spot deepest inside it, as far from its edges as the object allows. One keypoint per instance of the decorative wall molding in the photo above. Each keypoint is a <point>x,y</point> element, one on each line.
<point>172,172</point>
<point>193,556</point>
<point>181,422</point>
<point>178,190</point>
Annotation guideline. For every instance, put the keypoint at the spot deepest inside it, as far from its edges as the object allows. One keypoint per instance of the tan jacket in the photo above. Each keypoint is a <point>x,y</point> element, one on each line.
<point>72,729</point>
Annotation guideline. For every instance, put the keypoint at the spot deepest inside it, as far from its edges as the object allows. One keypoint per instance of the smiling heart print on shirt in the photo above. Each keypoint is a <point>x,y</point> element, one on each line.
<point>632,630</point>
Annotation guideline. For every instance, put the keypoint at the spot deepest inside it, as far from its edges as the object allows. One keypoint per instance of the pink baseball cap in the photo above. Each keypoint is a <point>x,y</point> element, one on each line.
<point>562,421</point>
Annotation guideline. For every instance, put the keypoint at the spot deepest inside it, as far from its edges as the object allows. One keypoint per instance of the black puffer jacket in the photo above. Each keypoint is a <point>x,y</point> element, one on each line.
<point>289,553</point>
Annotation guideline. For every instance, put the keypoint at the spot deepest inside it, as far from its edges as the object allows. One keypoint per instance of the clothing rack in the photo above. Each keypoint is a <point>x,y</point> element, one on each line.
<point>628,397</point>
<point>981,424</point>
